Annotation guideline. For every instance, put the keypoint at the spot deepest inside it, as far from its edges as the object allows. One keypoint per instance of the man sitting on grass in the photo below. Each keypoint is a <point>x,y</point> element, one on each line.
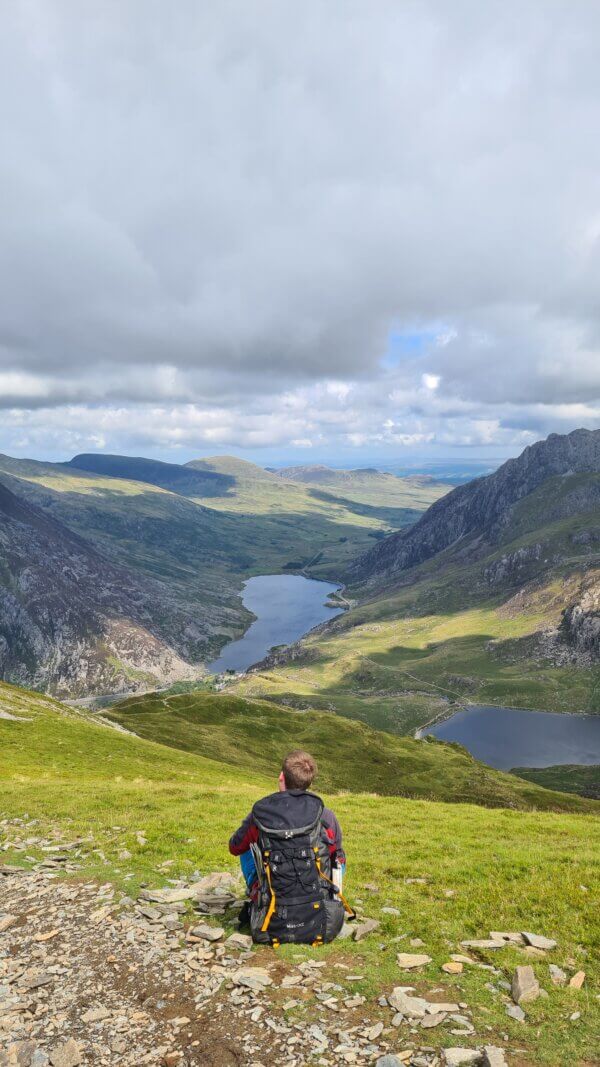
<point>290,849</point>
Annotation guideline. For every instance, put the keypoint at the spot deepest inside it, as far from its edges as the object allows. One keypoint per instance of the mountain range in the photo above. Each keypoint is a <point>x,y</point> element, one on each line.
<point>492,596</point>
<point>121,573</point>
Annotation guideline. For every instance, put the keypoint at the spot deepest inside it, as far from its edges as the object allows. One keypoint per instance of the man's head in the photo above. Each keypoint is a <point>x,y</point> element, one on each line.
<point>298,771</point>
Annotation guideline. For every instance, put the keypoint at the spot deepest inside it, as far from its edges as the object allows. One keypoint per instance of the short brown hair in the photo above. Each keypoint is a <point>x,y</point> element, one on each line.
<point>299,769</point>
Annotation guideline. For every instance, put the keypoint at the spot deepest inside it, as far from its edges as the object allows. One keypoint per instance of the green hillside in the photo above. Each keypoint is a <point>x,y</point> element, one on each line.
<point>303,523</point>
<point>469,624</point>
<point>351,756</point>
<point>568,777</point>
<point>477,869</point>
<point>172,476</point>
<point>369,491</point>
<point>245,521</point>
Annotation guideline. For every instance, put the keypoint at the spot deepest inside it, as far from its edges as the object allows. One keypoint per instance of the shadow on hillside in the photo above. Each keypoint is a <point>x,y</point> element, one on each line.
<point>172,537</point>
<point>397,517</point>
<point>454,650</point>
<point>175,477</point>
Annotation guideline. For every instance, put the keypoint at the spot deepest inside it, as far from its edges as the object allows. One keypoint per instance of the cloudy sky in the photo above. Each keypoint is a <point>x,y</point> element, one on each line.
<point>314,230</point>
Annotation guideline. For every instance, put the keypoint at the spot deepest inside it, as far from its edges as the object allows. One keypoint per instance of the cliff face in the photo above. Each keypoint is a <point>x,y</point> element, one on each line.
<point>579,632</point>
<point>71,621</point>
<point>482,507</point>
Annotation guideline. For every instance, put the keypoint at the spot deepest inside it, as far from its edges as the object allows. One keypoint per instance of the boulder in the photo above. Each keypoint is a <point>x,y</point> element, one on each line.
<point>493,1057</point>
<point>577,980</point>
<point>96,1015</point>
<point>408,961</point>
<point>411,1007</point>
<point>362,930</point>
<point>515,1012</point>
<point>507,935</point>
<point>240,941</point>
<point>453,967</point>
<point>525,986</point>
<point>18,1054</point>
<point>557,974</point>
<point>460,1057</point>
<point>217,886</point>
<point>538,941</point>
<point>433,1020</point>
<point>254,978</point>
<point>207,933</point>
<point>66,1055</point>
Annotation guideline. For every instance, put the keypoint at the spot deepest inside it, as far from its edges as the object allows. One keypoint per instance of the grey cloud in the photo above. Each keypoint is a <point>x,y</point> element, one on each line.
<point>219,204</point>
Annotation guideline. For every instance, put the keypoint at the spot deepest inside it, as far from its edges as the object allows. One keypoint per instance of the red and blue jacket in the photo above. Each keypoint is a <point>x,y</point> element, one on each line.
<point>247,834</point>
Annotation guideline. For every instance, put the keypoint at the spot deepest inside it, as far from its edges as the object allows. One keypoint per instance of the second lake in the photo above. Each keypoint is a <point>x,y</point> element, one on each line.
<point>513,737</point>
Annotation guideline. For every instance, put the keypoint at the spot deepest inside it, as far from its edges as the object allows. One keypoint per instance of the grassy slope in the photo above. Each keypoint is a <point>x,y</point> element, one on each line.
<point>568,777</point>
<point>451,635</point>
<point>300,523</point>
<point>253,736</point>
<point>372,491</point>
<point>506,869</point>
<point>259,525</point>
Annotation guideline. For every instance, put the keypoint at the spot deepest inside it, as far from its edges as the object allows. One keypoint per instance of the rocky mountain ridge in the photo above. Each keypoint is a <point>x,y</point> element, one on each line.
<point>480,508</point>
<point>71,620</point>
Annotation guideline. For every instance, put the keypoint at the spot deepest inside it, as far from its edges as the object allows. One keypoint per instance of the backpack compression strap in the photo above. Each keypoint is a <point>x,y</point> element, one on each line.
<point>351,912</point>
<point>272,902</point>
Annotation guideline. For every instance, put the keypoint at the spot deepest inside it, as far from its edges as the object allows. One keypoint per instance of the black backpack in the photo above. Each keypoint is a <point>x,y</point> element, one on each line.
<point>297,900</point>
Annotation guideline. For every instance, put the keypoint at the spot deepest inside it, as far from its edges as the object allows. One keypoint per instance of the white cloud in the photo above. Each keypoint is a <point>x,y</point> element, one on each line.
<point>210,226</point>
<point>431,381</point>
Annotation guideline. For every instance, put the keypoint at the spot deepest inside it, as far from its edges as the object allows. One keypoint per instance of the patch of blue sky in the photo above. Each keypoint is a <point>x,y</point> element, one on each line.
<point>404,344</point>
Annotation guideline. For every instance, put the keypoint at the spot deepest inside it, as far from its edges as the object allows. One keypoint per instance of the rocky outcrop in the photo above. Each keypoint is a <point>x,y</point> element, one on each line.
<point>579,631</point>
<point>480,508</point>
<point>512,565</point>
<point>72,622</point>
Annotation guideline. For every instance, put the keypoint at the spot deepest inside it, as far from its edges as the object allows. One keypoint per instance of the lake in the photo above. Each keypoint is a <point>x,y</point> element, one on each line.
<point>286,607</point>
<point>512,737</point>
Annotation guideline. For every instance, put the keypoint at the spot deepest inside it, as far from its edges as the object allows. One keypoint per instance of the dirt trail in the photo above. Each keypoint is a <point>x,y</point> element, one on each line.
<point>88,976</point>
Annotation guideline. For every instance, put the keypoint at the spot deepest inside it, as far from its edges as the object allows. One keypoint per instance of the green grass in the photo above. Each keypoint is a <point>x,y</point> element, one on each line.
<point>568,777</point>
<point>506,869</point>
<point>351,756</point>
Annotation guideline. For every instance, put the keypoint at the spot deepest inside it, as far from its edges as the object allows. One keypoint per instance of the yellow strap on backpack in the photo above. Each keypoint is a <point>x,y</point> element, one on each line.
<point>271,908</point>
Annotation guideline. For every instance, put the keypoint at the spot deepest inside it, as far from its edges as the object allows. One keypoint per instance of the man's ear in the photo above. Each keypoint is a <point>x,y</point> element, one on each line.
<point>282,785</point>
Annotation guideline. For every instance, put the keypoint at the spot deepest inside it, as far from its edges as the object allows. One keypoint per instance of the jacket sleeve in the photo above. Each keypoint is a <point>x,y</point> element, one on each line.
<point>241,840</point>
<point>333,833</point>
